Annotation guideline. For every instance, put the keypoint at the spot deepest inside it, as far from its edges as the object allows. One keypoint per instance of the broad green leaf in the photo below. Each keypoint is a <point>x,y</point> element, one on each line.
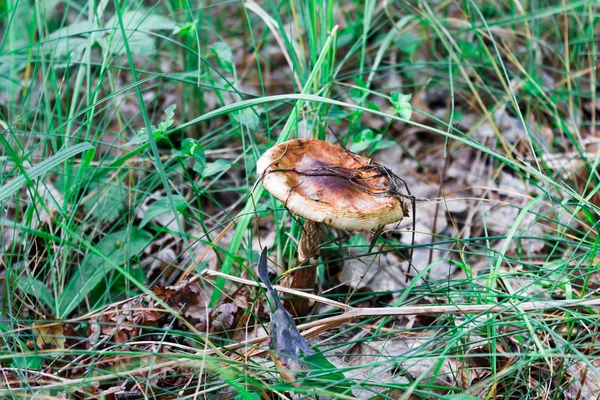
<point>137,23</point>
<point>37,289</point>
<point>158,131</point>
<point>373,106</point>
<point>162,206</point>
<point>224,55</point>
<point>216,167</point>
<point>247,117</point>
<point>459,396</point>
<point>363,141</point>
<point>402,105</point>
<point>166,124</point>
<point>409,42</point>
<point>185,30</point>
<point>325,375</point>
<point>68,43</point>
<point>119,248</point>
<point>358,241</point>
<point>191,148</point>
<point>106,204</point>
<point>382,144</point>
<point>337,114</point>
<point>356,95</point>
<point>367,139</point>
<point>199,168</point>
<point>43,167</point>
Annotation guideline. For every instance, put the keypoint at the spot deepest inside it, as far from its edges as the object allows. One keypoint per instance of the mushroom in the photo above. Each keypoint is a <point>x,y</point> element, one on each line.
<point>327,184</point>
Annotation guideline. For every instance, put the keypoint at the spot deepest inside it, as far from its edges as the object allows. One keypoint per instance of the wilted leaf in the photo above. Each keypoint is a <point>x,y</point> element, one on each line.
<point>48,335</point>
<point>190,298</point>
<point>291,348</point>
<point>230,310</point>
<point>127,320</point>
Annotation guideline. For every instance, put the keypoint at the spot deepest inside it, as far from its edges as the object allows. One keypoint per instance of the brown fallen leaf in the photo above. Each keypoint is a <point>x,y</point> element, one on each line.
<point>48,335</point>
<point>227,313</point>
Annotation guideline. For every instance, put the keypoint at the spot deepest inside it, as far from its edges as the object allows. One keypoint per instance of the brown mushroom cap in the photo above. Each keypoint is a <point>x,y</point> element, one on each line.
<point>325,183</point>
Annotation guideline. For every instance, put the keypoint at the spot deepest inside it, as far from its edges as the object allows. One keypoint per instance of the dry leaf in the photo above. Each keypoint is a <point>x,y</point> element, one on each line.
<point>49,335</point>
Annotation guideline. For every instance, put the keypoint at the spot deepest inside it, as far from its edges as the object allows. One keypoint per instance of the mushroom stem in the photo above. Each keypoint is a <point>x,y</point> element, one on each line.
<point>304,277</point>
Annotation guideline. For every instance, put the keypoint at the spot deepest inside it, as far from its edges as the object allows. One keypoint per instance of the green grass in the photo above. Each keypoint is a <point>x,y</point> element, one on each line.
<point>83,83</point>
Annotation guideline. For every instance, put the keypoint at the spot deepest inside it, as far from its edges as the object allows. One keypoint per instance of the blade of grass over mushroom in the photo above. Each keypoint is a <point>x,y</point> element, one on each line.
<point>247,213</point>
<point>36,171</point>
<point>523,167</point>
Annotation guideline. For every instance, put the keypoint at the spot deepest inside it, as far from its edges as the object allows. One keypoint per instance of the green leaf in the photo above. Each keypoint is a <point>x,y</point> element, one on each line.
<point>215,168</point>
<point>199,168</point>
<point>163,206</point>
<point>409,43</point>
<point>247,117</point>
<point>191,148</point>
<point>364,140</point>
<point>246,395</point>
<point>356,95</point>
<point>402,105</point>
<point>38,290</point>
<point>166,124</point>
<point>68,43</point>
<point>325,375</point>
<point>106,203</point>
<point>459,396</point>
<point>137,23</point>
<point>373,106</point>
<point>33,362</point>
<point>159,131</point>
<point>117,248</point>
<point>358,241</point>
<point>185,30</point>
<point>382,144</point>
<point>337,114</point>
<point>224,55</point>
<point>43,167</point>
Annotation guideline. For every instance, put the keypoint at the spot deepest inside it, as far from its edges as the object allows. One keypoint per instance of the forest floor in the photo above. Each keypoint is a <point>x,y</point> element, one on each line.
<point>133,217</point>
